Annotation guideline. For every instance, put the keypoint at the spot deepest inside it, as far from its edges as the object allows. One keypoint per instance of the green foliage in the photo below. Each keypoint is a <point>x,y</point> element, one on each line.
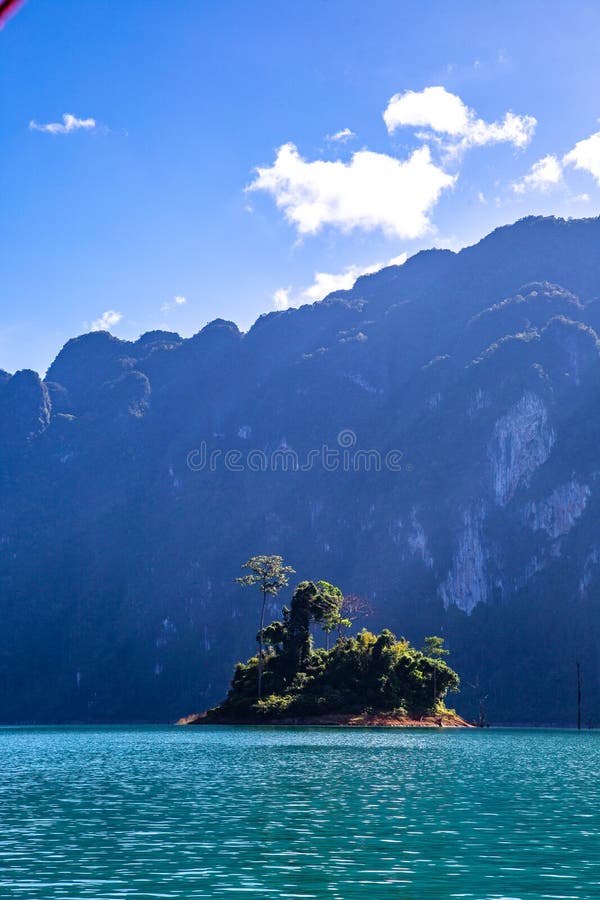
<point>274,705</point>
<point>273,635</point>
<point>297,643</point>
<point>327,607</point>
<point>367,672</point>
<point>434,647</point>
<point>267,573</point>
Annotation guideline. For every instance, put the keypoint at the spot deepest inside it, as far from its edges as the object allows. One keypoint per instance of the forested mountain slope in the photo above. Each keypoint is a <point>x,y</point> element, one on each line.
<point>475,380</point>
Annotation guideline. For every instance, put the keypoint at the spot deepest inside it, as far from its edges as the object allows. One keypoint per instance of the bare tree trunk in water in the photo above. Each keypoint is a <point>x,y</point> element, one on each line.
<point>578,697</point>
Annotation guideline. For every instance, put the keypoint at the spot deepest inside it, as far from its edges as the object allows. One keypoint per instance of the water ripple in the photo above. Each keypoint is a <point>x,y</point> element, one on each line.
<point>113,813</point>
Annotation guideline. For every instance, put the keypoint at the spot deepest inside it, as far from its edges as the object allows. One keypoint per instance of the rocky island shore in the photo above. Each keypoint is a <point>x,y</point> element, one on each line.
<point>342,720</point>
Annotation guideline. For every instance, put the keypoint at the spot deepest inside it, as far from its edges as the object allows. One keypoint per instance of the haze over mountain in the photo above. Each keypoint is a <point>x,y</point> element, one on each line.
<point>476,378</point>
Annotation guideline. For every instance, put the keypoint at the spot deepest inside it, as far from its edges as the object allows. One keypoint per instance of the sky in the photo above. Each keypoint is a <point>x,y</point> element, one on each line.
<point>164,165</point>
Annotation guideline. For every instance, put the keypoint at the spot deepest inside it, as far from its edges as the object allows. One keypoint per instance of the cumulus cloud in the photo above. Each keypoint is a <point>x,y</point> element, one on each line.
<point>325,283</point>
<point>106,321</point>
<point>586,155</point>
<point>544,174</point>
<point>341,136</point>
<point>433,108</point>
<point>446,115</point>
<point>69,123</point>
<point>372,191</point>
<point>549,171</point>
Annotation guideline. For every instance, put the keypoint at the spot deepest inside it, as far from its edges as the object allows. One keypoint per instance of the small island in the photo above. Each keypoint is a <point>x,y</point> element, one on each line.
<point>363,680</point>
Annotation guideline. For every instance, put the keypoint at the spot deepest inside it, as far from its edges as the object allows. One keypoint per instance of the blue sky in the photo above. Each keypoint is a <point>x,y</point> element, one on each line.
<point>491,113</point>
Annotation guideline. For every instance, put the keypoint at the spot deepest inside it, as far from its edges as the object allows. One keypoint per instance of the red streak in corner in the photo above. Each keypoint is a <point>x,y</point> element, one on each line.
<point>8,8</point>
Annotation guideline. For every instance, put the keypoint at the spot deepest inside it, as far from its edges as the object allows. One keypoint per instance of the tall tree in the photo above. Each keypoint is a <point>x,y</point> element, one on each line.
<point>297,643</point>
<point>327,607</point>
<point>269,575</point>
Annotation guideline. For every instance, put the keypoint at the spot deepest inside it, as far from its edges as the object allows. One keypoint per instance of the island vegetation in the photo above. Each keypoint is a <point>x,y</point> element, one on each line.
<point>364,678</point>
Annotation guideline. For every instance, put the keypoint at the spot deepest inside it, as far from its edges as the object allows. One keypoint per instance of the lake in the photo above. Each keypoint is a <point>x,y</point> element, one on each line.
<point>165,812</point>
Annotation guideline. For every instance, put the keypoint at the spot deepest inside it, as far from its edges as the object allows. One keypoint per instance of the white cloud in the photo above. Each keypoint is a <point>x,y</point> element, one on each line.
<point>325,283</point>
<point>372,191</point>
<point>179,300</point>
<point>281,298</point>
<point>432,108</point>
<point>446,114</point>
<point>342,136</point>
<point>106,321</point>
<point>550,170</point>
<point>544,174</point>
<point>395,261</point>
<point>586,155</point>
<point>69,123</point>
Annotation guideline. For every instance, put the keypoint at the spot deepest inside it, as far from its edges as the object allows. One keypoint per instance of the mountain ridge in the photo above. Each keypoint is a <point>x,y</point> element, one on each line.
<point>480,368</point>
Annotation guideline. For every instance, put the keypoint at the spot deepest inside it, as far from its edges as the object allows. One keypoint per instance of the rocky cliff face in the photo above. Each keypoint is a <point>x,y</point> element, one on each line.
<point>521,443</point>
<point>428,439</point>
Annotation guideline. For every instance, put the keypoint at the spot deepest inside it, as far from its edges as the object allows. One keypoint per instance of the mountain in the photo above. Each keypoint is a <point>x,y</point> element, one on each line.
<point>440,427</point>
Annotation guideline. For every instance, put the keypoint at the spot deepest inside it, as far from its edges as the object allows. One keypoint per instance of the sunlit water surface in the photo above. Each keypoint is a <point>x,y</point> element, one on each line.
<point>298,813</point>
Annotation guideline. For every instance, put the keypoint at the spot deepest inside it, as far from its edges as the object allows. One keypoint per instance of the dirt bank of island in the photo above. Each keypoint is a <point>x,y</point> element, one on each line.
<point>344,720</point>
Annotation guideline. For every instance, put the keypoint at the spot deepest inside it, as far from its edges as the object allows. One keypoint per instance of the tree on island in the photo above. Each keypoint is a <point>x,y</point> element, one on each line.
<point>270,575</point>
<point>434,647</point>
<point>328,607</point>
<point>353,609</point>
<point>361,674</point>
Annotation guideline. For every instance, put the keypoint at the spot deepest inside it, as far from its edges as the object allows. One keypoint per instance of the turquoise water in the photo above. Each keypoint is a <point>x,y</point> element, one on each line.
<point>298,813</point>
